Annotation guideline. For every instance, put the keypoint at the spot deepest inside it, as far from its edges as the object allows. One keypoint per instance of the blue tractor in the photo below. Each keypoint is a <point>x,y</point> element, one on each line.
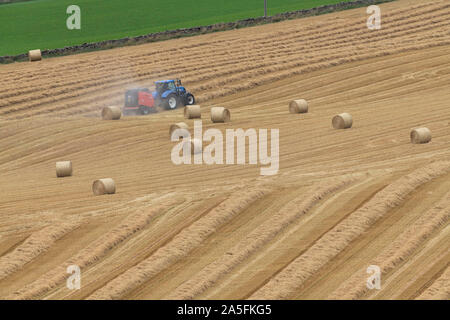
<point>169,94</point>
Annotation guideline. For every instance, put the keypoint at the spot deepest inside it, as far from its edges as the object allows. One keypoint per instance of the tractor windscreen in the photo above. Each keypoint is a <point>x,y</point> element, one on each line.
<point>171,86</point>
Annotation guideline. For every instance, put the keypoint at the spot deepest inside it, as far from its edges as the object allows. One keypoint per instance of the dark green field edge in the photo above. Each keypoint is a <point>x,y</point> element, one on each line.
<point>179,33</point>
<point>12,1</point>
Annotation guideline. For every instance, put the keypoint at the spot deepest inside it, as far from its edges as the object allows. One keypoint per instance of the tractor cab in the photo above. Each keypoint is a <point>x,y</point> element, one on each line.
<point>161,87</point>
<point>166,87</point>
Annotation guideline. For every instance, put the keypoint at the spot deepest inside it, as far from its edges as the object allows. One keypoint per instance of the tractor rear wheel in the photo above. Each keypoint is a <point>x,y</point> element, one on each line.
<point>172,102</point>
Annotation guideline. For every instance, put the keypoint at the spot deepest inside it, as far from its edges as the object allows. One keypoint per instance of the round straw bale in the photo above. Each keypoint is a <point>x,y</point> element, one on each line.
<point>342,121</point>
<point>220,114</point>
<point>179,125</point>
<point>34,55</point>
<point>111,113</point>
<point>192,112</point>
<point>104,186</point>
<point>420,135</point>
<point>196,146</point>
<point>298,106</point>
<point>63,169</point>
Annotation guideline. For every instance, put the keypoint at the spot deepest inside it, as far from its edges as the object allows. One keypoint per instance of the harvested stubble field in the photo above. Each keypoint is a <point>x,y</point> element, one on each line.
<point>342,200</point>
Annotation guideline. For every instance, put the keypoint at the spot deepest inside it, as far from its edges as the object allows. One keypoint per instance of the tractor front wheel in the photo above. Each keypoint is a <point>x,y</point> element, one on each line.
<point>190,100</point>
<point>172,102</point>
